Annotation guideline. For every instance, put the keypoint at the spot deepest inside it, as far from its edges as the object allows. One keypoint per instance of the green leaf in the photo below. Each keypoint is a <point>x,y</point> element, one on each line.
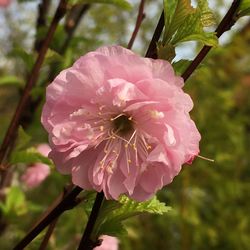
<point>29,156</point>
<point>175,14</point>
<point>15,202</point>
<point>166,52</point>
<point>112,227</point>
<point>52,56</point>
<point>11,81</point>
<point>22,139</point>
<point>180,66</point>
<point>185,23</point>
<point>245,4</point>
<point>153,206</point>
<point>245,12</point>
<point>207,39</point>
<point>119,3</point>
<point>244,9</point>
<point>28,59</point>
<point>114,212</point>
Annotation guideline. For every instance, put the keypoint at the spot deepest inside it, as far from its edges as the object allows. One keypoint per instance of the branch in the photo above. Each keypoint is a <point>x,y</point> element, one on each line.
<point>11,132</point>
<point>139,20</point>
<point>52,225</point>
<point>151,52</point>
<point>72,23</point>
<point>227,22</point>
<point>68,202</point>
<point>48,234</point>
<point>86,242</point>
<point>43,8</point>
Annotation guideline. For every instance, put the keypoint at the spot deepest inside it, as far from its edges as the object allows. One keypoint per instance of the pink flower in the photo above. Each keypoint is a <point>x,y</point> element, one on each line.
<point>4,3</point>
<point>38,172</point>
<point>120,123</point>
<point>108,243</point>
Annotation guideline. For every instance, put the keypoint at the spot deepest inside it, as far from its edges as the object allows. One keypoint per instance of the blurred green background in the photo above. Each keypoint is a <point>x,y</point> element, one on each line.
<point>210,201</point>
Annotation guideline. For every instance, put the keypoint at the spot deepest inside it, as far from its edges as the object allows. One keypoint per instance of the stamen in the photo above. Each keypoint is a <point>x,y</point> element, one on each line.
<point>114,118</point>
<point>205,158</point>
<point>117,136</point>
<point>128,159</point>
<point>131,137</point>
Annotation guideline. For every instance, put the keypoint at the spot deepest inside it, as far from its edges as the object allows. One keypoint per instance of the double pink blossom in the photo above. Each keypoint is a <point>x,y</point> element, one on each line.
<point>38,172</point>
<point>119,123</point>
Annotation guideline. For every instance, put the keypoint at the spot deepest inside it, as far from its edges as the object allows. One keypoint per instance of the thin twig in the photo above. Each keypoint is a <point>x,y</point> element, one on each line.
<point>67,189</point>
<point>225,25</point>
<point>43,9</point>
<point>68,202</point>
<point>86,242</point>
<point>48,234</point>
<point>151,52</point>
<point>12,129</point>
<point>72,23</point>
<point>139,20</point>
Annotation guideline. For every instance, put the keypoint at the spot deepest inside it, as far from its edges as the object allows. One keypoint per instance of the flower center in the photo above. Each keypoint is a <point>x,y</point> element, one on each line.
<point>122,124</point>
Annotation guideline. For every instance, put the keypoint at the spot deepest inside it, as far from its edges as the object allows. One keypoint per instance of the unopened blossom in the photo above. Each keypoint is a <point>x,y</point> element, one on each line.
<point>108,243</point>
<point>37,172</point>
<point>119,123</point>
<point>4,3</point>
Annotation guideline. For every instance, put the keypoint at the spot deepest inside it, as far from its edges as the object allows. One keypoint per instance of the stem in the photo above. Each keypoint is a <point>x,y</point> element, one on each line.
<point>48,234</point>
<point>227,22</point>
<point>68,202</point>
<point>72,23</point>
<point>151,52</point>
<point>11,132</point>
<point>52,225</point>
<point>86,242</point>
<point>139,20</point>
<point>43,8</point>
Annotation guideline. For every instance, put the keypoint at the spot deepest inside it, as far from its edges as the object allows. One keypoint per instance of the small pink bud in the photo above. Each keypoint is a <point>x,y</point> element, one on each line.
<point>108,243</point>
<point>38,172</point>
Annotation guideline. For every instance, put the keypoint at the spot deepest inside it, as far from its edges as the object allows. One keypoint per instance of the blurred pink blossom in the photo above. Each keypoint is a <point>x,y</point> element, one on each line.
<point>38,172</point>
<point>108,243</point>
<point>4,3</point>
<point>120,123</point>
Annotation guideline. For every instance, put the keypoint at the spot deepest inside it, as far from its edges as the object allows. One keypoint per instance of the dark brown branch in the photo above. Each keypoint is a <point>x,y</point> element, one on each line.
<point>72,22</point>
<point>67,189</point>
<point>86,242</point>
<point>227,22</point>
<point>48,234</point>
<point>11,132</point>
<point>43,8</point>
<point>151,52</point>
<point>139,20</point>
<point>68,202</point>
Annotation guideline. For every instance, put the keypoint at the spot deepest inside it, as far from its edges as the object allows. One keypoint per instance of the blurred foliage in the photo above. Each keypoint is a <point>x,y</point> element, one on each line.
<point>210,201</point>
